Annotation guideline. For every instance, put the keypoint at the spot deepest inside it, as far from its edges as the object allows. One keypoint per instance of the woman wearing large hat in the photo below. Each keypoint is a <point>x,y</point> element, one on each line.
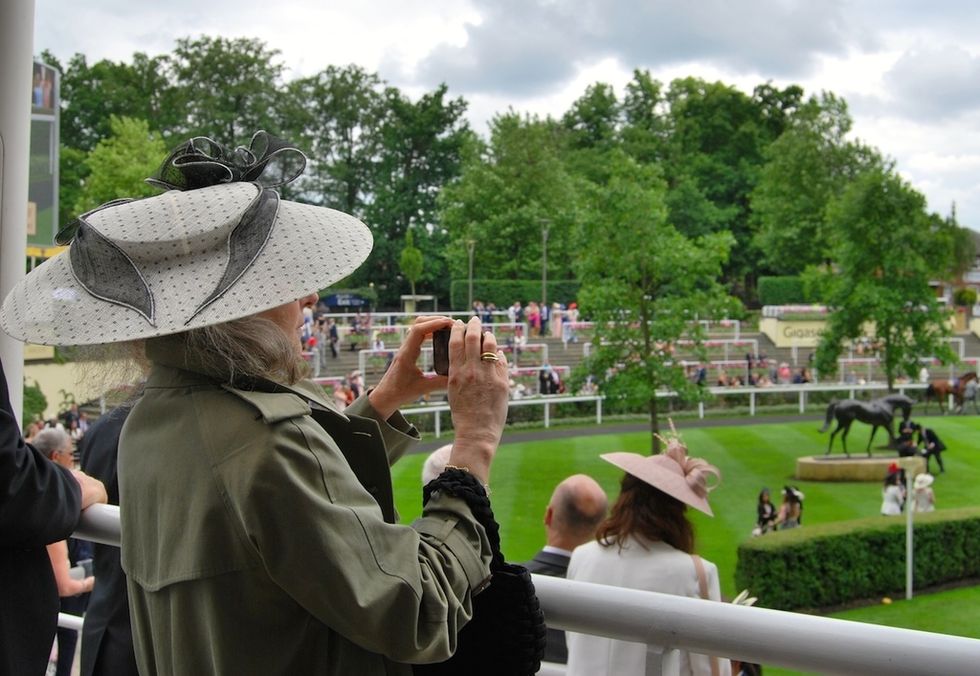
<point>647,543</point>
<point>258,529</point>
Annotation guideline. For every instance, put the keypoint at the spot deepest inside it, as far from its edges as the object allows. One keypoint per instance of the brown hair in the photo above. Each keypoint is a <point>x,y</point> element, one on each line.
<point>645,511</point>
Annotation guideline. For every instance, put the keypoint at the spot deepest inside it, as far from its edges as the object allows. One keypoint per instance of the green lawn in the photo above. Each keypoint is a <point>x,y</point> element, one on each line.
<point>749,457</point>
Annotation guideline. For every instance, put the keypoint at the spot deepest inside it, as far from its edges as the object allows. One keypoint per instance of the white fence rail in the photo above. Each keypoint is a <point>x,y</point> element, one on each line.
<point>667,623</point>
<point>753,393</point>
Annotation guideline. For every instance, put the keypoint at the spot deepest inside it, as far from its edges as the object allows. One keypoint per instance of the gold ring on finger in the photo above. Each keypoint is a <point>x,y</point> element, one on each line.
<point>489,356</point>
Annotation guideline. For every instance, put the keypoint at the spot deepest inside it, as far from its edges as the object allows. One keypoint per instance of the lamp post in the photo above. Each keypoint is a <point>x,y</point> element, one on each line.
<point>470,247</point>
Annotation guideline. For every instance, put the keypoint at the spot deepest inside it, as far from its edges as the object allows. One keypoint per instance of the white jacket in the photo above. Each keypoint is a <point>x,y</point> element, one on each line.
<point>655,567</point>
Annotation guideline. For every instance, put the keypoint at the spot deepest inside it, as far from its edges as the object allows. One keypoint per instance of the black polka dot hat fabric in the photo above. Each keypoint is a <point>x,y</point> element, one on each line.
<point>179,242</point>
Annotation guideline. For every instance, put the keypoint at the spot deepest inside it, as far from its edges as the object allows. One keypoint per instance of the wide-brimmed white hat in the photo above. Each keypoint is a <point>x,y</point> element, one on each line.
<point>220,246</point>
<point>923,480</point>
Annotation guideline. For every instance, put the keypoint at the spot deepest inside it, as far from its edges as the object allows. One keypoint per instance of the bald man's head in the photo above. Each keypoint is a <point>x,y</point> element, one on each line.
<point>577,507</point>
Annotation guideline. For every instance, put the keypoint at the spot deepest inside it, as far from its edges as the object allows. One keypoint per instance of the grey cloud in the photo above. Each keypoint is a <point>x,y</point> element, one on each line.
<point>521,47</point>
<point>934,84</point>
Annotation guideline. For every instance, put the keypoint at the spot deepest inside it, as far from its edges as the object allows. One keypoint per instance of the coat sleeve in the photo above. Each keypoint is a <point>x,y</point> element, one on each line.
<point>393,589</point>
<point>40,502</point>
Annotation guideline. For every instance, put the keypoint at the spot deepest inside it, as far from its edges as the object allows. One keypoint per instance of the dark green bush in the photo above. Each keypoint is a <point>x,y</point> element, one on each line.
<point>830,564</point>
<point>781,291</point>
<point>503,292</point>
<point>34,404</point>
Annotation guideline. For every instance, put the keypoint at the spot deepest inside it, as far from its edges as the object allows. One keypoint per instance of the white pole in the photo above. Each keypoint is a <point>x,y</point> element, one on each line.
<point>909,548</point>
<point>16,55</point>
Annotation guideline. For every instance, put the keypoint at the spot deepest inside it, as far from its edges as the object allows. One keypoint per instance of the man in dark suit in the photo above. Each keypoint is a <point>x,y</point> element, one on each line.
<point>107,635</point>
<point>40,503</point>
<point>932,445</point>
<point>577,507</point>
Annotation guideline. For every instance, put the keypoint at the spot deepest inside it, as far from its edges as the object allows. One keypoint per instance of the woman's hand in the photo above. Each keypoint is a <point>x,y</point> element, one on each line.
<point>478,394</point>
<point>404,382</point>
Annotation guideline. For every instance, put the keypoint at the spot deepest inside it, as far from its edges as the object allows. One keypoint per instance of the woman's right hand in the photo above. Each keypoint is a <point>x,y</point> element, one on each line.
<point>478,395</point>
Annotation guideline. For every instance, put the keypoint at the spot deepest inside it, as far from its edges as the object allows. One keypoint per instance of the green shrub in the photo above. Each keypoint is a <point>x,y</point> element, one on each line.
<point>503,292</point>
<point>830,564</point>
<point>781,291</point>
<point>965,296</point>
<point>34,404</point>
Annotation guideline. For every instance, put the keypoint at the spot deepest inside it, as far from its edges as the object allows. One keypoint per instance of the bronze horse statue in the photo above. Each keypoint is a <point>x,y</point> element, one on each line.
<point>872,413</point>
<point>941,389</point>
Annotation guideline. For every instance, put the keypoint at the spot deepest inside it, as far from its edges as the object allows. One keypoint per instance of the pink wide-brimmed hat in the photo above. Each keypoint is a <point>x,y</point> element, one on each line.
<point>672,472</point>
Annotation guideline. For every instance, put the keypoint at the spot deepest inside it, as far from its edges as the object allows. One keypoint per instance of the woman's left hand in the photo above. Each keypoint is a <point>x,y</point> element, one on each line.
<point>404,382</point>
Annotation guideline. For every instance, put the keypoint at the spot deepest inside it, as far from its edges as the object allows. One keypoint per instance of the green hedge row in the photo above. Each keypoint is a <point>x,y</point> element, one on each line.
<point>830,564</point>
<point>503,292</point>
<point>781,291</point>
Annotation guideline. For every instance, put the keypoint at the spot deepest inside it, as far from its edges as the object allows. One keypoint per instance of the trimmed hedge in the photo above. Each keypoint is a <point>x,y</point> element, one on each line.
<point>781,291</point>
<point>503,292</point>
<point>830,564</point>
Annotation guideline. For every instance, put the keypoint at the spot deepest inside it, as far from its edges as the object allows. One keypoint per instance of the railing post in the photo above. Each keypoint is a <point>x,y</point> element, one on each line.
<point>663,661</point>
<point>598,411</point>
<point>751,403</point>
<point>701,409</point>
<point>802,401</point>
<point>438,423</point>
<point>547,415</point>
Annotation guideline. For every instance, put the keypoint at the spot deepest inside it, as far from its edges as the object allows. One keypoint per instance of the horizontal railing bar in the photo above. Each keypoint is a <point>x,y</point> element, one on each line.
<point>756,635</point>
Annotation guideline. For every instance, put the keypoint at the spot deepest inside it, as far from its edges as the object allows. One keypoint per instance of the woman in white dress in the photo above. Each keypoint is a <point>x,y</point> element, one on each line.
<point>647,543</point>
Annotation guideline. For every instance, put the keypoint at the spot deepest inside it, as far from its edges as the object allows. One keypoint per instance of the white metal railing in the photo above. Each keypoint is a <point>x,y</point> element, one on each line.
<point>753,393</point>
<point>667,623</point>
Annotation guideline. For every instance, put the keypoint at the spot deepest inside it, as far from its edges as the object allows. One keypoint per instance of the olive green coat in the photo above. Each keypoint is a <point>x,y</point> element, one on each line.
<point>252,548</point>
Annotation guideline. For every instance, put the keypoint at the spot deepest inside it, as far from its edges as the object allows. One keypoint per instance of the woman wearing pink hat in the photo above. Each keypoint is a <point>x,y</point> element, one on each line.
<point>647,543</point>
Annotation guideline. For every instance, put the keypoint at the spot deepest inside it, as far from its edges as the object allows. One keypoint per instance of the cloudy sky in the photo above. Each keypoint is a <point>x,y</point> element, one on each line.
<point>909,70</point>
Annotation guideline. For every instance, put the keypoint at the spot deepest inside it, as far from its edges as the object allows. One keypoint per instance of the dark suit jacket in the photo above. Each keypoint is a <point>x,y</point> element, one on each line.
<point>107,637</point>
<point>555,565</point>
<point>928,436</point>
<point>39,504</point>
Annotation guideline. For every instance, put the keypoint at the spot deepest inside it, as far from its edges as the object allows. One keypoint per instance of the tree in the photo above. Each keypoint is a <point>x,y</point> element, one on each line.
<point>336,117</point>
<point>508,190</point>
<point>422,144</point>
<point>227,88</point>
<point>809,165</point>
<point>118,165</point>
<point>643,283</point>
<point>410,261</point>
<point>91,95</point>
<point>886,249</point>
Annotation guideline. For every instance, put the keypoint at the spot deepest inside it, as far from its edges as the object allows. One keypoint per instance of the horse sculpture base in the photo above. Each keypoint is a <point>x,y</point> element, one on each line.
<point>855,468</point>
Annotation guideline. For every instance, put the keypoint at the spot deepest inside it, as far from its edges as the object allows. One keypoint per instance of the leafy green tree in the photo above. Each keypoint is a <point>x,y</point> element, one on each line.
<point>886,249</point>
<point>410,261</point>
<point>422,145</point>
<point>508,191</point>
<point>34,404</point>
<point>118,165</point>
<point>336,117</point>
<point>227,88</point>
<point>92,94</point>
<point>809,165</point>
<point>72,172</point>
<point>642,284</point>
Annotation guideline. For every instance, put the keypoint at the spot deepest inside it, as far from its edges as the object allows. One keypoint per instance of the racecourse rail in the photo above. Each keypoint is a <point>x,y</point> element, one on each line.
<point>753,393</point>
<point>670,623</point>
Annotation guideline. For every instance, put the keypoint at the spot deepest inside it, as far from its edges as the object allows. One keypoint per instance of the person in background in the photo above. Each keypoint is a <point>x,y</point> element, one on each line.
<point>765,513</point>
<point>57,446</point>
<point>647,543</point>
<point>791,510</point>
<point>435,463</point>
<point>923,499</point>
<point>107,635</point>
<point>40,503</point>
<point>932,447</point>
<point>893,492</point>
<point>577,507</point>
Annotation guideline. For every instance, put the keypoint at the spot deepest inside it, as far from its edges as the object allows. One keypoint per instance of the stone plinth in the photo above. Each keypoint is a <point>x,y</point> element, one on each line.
<point>855,468</point>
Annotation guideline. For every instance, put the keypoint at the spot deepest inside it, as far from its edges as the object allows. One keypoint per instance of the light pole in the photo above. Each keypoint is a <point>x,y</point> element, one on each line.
<point>544,260</point>
<point>470,247</point>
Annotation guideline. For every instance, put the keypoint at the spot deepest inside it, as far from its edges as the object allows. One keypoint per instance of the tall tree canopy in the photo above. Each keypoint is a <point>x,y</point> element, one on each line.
<point>643,284</point>
<point>886,250</point>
